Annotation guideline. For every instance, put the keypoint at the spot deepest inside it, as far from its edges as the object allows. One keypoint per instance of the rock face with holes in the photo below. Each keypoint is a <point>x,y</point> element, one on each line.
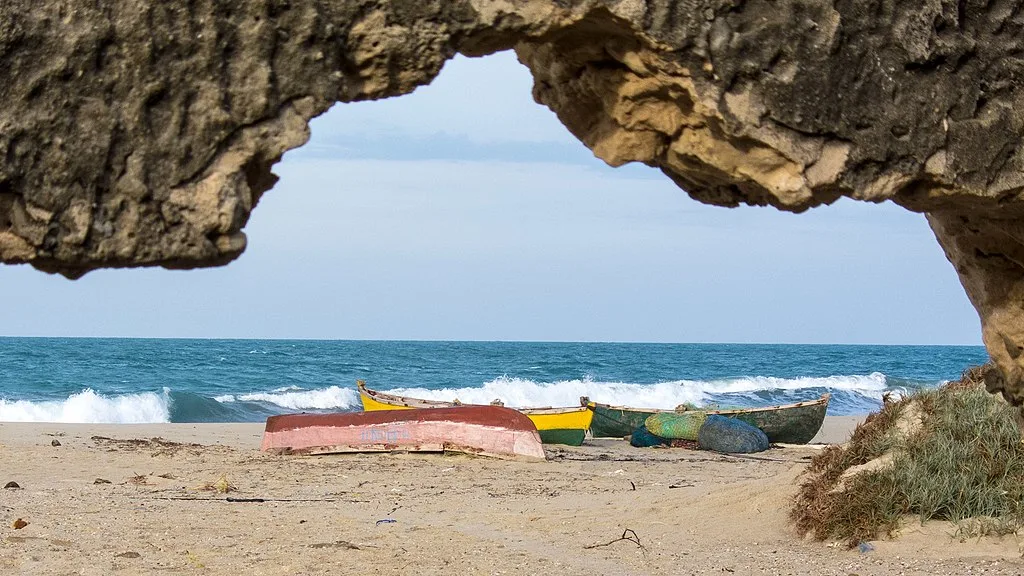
<point>143,133</point>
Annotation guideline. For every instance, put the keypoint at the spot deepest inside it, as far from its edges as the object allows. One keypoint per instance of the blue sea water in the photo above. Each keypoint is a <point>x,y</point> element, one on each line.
<point>177,380</point>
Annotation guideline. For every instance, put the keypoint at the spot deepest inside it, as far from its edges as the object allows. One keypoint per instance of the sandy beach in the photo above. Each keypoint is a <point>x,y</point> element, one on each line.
<point>109,499</point>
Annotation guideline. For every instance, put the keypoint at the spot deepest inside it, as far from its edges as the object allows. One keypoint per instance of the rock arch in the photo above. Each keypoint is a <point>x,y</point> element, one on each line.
<point>143,133</point>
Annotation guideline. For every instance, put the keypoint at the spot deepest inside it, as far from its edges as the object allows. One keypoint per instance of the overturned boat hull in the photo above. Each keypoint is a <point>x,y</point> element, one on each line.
<point>480,430</point>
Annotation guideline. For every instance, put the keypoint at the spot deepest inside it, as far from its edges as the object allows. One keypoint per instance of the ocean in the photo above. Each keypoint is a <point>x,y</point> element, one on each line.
<point>180,380</point>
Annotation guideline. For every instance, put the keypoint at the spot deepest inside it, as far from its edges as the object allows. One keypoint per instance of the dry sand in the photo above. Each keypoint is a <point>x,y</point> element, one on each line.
<point>693,512</point>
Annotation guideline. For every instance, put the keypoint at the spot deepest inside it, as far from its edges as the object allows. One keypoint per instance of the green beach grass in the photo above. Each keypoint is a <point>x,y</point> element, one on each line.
<point>953,453</point>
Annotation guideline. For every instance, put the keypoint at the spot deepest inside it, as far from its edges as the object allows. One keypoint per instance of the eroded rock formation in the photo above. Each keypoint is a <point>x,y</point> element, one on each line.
<point>143,133</point>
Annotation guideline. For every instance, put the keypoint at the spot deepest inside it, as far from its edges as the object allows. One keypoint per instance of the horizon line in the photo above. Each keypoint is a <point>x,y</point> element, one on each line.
<point>490,341</point>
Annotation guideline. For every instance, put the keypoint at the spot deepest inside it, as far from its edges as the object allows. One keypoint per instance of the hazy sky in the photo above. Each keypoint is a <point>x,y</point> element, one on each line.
<point>466,211</point>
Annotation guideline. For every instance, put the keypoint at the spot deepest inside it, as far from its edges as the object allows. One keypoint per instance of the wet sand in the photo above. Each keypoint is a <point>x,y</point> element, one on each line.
<point>692,512</point>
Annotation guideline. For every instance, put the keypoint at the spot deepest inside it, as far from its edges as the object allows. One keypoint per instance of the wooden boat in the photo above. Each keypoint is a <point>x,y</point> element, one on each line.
<point>788,423</point>
<point>481,430</point>
<point>556,425</point>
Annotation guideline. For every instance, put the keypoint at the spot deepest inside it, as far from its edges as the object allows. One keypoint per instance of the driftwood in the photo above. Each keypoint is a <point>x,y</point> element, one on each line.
<point>628,534</point>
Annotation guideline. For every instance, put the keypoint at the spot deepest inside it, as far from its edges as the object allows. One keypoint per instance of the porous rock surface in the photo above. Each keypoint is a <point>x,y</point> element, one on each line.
<point>143,133</point>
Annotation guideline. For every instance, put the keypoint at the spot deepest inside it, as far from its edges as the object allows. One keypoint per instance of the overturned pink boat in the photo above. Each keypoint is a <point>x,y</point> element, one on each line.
<point>481,430</point>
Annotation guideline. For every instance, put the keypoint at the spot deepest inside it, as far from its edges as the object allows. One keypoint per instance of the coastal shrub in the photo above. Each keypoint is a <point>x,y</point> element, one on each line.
<point>954,453</point>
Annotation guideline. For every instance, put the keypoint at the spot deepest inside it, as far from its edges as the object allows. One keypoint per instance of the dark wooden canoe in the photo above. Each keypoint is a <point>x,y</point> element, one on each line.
<point>482,430</point>
<point>788,423</point>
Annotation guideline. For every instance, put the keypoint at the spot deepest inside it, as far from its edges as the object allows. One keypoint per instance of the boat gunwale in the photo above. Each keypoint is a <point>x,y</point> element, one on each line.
<point>489,417</point>
<point>410,402</point>
<point>824,399</point>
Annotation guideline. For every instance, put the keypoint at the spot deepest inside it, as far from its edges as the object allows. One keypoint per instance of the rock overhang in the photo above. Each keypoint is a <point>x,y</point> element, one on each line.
<point>143,134</point>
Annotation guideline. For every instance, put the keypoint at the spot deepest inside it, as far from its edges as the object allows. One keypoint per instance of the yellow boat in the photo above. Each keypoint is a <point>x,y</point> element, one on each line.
<point>556,425</point>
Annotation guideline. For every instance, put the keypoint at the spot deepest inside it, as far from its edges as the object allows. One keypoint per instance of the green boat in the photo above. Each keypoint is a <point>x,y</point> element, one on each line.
<point>787,424</point>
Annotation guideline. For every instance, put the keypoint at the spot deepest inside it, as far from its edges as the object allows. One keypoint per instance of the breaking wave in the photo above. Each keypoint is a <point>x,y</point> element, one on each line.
<point>91,408</point>
<point>294,398</point>
<point>517,392</point>
<point>850,395</point>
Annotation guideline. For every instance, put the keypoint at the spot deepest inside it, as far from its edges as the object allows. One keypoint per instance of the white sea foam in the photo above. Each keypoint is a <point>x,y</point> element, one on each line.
<point>867,385</point>
<point>89,407</point>
<point>517,392</point>
<point>293,399</point>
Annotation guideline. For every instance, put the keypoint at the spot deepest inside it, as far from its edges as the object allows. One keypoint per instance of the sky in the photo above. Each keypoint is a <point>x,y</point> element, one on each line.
<point>466,211</point>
